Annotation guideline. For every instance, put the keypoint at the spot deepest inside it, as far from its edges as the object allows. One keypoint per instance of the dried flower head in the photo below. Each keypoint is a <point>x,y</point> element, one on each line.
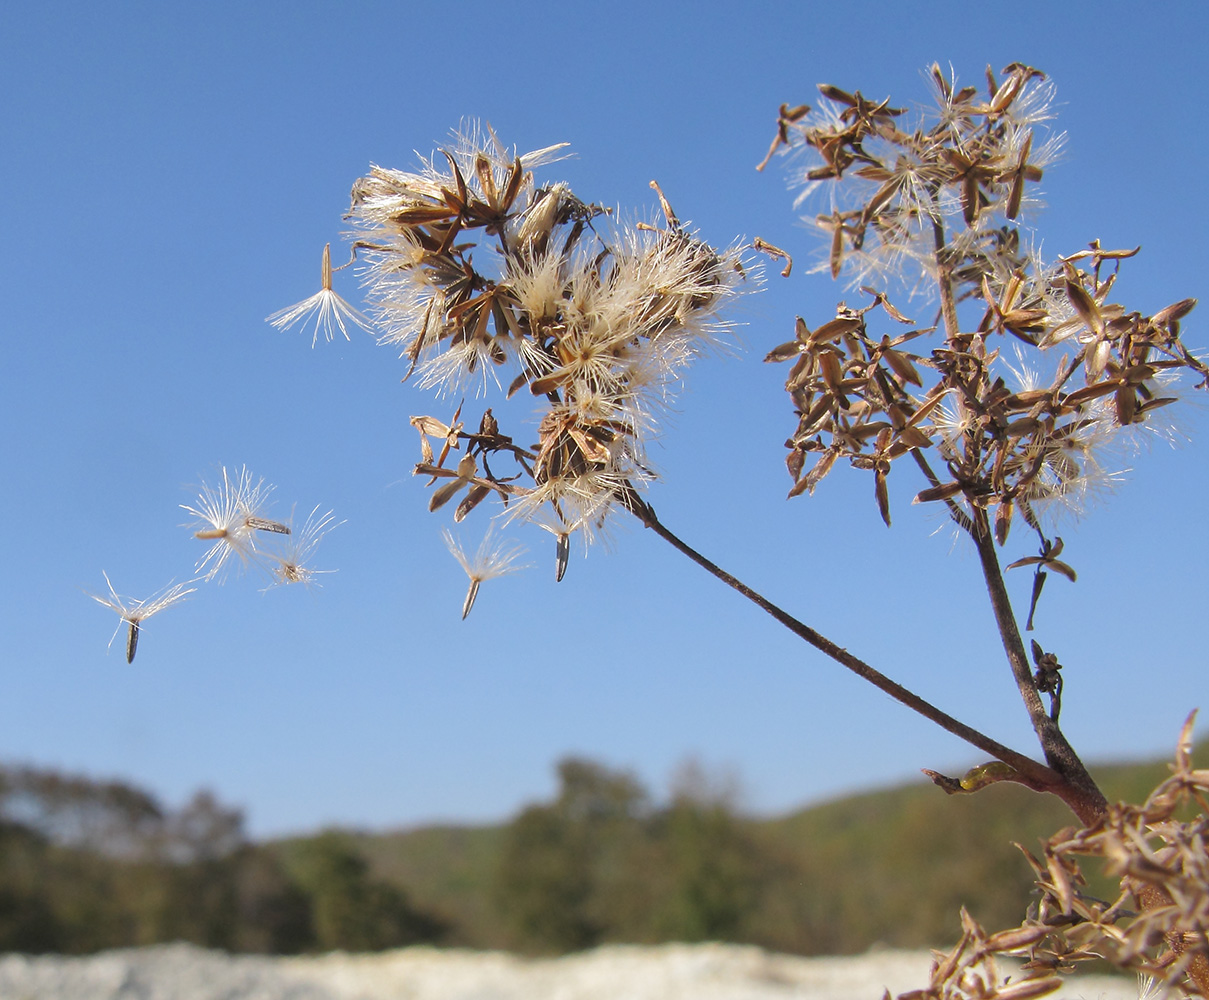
<point>325,306</point>
<point>135,612</point>
<point>494,557</point>
<point>596,319</point>
<point>936,203</point>
<point>229,515</point>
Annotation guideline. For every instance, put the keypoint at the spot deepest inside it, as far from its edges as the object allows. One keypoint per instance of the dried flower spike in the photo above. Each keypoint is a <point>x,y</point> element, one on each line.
<point>493,558</point>
<point>134,612</point>
<point>325,305</point>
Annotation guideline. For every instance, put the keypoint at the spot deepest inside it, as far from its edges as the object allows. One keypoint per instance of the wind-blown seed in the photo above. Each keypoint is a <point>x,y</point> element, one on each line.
<point>263,524</point>
<point>471,593</point>
<point>132,640</point>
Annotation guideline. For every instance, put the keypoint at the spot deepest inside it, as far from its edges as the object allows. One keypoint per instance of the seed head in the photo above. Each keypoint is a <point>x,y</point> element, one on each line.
<point>493,558</point>
<point>229,515</point>
<point>289,564</point>
<point>134,612</point>
<point>325,306</point>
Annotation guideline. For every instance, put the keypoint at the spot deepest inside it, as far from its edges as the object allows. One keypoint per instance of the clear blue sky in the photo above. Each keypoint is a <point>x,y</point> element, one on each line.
<point>170,175</point>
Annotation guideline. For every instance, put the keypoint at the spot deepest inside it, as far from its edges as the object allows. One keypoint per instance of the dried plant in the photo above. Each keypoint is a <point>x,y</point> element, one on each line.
<point>1007,403</point>
<point>1158,925</point>
<point>595,318</point>
<point>999,437</point>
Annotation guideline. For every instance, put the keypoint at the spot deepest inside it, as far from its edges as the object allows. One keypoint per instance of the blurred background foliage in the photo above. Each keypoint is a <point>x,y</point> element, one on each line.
<point>87,865</point>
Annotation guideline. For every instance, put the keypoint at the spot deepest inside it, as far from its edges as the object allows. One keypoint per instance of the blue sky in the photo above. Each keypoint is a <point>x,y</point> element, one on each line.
<point>170,176</point>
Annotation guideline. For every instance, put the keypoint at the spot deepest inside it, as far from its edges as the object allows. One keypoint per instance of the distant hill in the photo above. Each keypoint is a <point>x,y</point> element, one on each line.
<point>888,867</point>
<point>88,865</point>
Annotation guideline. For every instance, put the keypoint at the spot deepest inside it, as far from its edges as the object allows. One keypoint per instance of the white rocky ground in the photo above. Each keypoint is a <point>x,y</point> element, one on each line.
<point>618,972</point>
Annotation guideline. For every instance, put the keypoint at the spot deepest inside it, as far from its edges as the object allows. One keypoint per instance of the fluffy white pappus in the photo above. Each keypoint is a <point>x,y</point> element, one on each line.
<point>229,515</point>
<point>474,139</point>
<point>539,283</point>
<point>133,612</point>
<point>328,310</point>
<point>583,505</point>
<point>291,563</point>
<point>494,558</point>
<point>471,366</point>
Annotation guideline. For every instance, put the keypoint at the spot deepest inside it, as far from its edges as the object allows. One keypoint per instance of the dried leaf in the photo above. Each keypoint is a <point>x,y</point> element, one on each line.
<point>1126,404</point>
<point>1003,521</point>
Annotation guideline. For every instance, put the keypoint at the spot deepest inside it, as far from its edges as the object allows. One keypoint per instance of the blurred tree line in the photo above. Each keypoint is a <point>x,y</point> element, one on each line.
<point>600,863</point>
<point>86,865</point>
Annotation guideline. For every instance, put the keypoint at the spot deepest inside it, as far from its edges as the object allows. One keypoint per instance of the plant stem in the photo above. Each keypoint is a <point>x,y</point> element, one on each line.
<point>1078,790</point>
<point>1033,774</point>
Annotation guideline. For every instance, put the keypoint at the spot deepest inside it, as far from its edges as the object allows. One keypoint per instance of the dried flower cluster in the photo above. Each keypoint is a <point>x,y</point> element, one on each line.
<point>936,203</point>
<point>1158,926</point>
<point>1008,402</point>
<point>230,515</point>
<point>593,318</point>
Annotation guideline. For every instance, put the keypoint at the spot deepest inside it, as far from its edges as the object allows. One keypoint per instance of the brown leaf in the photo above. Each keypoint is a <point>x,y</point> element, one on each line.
<point>1060,567</point>
<point>912,438</point>
<point>902,367</point>
<point>548,384</point>
<point>1089,392</point>
<point>837,248</point>
<point>794,462</point>
<point>443,494</point>
<point>1026,989</point>
<point>1003,521</point>
<point>1173,313</point>
<point>517,384</point>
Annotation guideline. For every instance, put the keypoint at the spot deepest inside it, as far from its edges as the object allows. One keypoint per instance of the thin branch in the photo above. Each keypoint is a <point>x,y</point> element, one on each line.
<point>1037,776</point>
<point>944,280</point>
